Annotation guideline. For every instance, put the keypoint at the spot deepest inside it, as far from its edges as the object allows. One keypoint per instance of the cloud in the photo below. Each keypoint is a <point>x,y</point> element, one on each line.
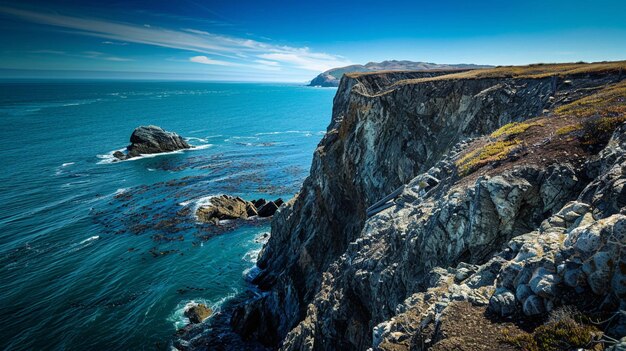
<point>267,63</point>
<point>108,42</point>
<point>207,61</point>
<point>84,54</point>
<point>233,49</point>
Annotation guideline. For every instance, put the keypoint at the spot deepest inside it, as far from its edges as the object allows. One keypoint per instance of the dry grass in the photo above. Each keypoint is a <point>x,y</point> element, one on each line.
<point>588,123</point>
<point>494,151</point>
<point>530,71</point>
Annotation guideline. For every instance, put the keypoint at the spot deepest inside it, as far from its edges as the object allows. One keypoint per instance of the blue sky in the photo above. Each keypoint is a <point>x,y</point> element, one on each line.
<point>294,40</point>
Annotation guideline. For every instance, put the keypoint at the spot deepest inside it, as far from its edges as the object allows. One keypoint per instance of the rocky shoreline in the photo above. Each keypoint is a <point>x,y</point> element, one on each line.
<point>511,218</point>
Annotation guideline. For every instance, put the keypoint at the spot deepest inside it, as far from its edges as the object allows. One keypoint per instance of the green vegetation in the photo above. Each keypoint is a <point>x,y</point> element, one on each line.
<point>513,128</point>
<point>491,152</point>
<point>569,129</point>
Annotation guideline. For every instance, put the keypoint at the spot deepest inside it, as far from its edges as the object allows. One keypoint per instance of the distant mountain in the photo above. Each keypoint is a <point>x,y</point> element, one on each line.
<point>331,77</point>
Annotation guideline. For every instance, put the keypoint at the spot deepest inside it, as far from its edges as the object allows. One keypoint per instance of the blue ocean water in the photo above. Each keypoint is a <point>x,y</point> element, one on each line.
<point>96,254</point>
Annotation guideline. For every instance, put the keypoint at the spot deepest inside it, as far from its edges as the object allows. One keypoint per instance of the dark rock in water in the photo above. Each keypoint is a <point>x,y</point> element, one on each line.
<point>198,313</point>
<point>268,209</point>
<point>226,207</point>
<point>119,155</point>
<point>279,202</point>
<point>258,203</point>
<point>152,140</point>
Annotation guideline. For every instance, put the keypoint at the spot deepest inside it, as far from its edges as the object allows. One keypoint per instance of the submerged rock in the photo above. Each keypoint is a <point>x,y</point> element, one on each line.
<point>152,140</point>
<point>198,313</point>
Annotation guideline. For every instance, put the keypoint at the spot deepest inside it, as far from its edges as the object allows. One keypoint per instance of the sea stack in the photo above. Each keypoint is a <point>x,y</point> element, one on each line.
<point>152,140</point>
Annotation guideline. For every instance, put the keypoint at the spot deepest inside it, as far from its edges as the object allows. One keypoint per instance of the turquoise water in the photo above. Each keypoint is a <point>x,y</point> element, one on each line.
<point>97,254</point>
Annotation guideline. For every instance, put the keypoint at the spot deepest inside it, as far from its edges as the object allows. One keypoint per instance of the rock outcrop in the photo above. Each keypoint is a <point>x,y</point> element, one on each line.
<point>229,207</point>
<point>332,77</point>
<point>512,204</point>
<point>198,313</point>
<point>152,140</point>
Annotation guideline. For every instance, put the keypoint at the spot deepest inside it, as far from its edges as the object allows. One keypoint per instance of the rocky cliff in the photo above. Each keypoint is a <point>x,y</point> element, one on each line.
<point>511,204</point>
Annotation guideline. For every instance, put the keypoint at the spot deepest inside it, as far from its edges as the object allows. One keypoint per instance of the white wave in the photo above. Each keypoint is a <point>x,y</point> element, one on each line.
<point>109,158</point>
<point>67,164</point>
<point>151,169</point>
<point>201,147</point>
<point>92,238</point>
<point>251,273</point>
<point>178,316</point>
<point>83,244</point>
<point>305,132</point>
<point>251,256</point>
<point>196,203</point>
<point>120,191</point>
<point>195,138</point>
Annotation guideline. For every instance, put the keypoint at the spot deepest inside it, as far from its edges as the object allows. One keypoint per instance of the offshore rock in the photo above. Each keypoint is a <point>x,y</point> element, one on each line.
<point>152,140</point>
<point>198,313</point>
<point>226,207</point>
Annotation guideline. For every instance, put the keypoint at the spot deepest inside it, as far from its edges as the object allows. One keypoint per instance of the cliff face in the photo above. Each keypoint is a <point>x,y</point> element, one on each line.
<point>467,223</point>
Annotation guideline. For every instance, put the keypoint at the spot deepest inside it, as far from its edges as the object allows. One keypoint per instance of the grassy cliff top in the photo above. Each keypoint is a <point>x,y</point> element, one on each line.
<point>540,70</point>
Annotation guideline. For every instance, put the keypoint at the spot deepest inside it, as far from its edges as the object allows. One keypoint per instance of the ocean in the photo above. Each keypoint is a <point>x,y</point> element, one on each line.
<point>96,254</point>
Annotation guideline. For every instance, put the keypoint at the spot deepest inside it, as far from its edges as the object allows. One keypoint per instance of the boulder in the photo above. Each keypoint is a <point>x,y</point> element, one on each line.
<point>226,207</point>
<point>152,140</point>
<point>503,302</point>
<point>533,306</point>
<point>198,313</point>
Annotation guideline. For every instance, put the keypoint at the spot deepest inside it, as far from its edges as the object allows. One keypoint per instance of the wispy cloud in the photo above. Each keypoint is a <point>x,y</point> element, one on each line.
<point>84,54</point>
<point>207,61</point>
<point>108,42</point>
<point>231,49</point>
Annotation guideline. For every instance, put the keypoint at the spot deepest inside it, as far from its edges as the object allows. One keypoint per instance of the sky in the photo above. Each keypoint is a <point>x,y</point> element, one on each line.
<point>293,41</point>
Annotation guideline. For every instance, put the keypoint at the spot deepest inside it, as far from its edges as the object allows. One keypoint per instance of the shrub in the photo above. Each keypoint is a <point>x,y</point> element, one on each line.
<point>563,331</point>
<point>598,130</point>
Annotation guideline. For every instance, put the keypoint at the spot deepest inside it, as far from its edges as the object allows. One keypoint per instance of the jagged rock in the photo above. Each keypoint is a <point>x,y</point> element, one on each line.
<point>198,313</point>
<point>225,207</point>
<point>259,202</point>
<point>268,209</point>
<point>533,306</point>
<point>152,140</point>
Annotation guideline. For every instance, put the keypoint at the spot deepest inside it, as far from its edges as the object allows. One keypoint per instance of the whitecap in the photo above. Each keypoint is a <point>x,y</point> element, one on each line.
<point>178,316</point>
<point>195,138</point>
<point>109,158</point>
<point>67,164</point>
<point>95,237</point>
<point>196,203</point>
